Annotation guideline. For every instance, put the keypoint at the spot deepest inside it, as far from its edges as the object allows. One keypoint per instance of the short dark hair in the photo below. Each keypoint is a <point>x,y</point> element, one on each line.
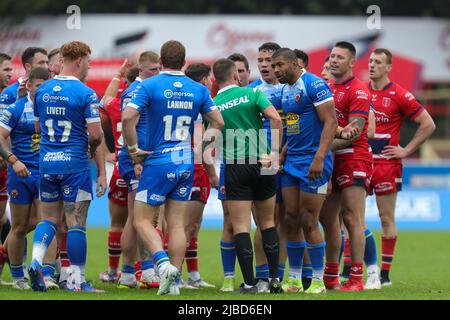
<point>223,70</point>
<point>285,53</point>
<point>386,52</point>
<point>30,52</point>
<point>173,55</point>
<point>302,55</point>
<point>346,45</point>
<point>269,46</point>
<point>132,74</point>
<point>4,57</point>
<point>53,52</point>
<point>197,71</point>
<point>39,73</point>
<point>239,57</point>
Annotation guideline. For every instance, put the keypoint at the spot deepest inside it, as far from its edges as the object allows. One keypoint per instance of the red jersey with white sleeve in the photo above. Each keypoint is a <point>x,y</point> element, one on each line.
<point>392,105</point>
<point>112,109</point>
<point>352,98</point>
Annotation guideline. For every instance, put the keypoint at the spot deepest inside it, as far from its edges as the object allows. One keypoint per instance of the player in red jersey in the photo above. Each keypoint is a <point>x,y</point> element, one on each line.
<point>118,190</point>
<point>392,105</point>
<point>352,170</point>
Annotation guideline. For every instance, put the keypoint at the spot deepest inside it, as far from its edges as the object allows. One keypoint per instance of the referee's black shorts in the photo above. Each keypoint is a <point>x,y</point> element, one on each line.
<point>245,182</point>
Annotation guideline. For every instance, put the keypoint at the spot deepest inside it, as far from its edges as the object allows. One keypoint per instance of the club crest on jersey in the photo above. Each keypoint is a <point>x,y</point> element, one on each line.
<point>340,96</point>
<point>386,102</point>
<point>14,193</point>
<point>298,97</point>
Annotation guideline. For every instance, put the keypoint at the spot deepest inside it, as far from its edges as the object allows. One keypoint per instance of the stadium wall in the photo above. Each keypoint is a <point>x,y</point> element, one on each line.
<point>424,203</point>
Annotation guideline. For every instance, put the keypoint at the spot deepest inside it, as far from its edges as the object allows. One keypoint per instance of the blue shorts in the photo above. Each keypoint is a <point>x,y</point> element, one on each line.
<point>126,171</point>
<point>222,195</point>
<point>165,181</point>
<point>296,171</point>
<point>71,187</point>
<point>23,190</point>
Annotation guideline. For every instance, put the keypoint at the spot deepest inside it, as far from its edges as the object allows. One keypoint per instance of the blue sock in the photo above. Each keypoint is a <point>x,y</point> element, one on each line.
<point>77,245</point>
<point>307,270</point>
<point>16,271</point>
<point>161,258</point>
<point>262,272</point>
<point>341,252</point>
<point>128,269</point>
<point>146,264</point>
<point>370,251</point>
<point>43,236</point>
<point>48,270</point>
<point>295,251</point>
<point>281,268</point>
<point>228,253</point>
<point>316,254</point>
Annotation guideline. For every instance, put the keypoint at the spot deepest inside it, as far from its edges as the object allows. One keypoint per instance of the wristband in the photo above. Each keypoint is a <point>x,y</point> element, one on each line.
<point>132,147</point>
<point>11,158</point>
<point>133,153</point>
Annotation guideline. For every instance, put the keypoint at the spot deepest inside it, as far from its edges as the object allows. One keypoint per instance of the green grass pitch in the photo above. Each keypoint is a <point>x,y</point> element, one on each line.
<point>420,272</point>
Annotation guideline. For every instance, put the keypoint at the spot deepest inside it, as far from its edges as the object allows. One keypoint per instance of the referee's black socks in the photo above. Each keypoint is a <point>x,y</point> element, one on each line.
<point>271,245</point>
<point>244,252</point>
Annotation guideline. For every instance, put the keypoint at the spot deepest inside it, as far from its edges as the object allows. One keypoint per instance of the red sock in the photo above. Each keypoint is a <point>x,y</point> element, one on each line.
<point>356,272</point>
<point>347,252</point>
<point>331,273</point>
<point>387,252</point>
<point>191,256</point>
<point>65,263</point>
<point>114,250</point>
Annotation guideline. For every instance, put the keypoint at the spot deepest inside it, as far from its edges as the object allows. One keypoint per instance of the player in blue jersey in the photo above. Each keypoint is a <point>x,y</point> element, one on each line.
<point>17,122</point>
<point>268,83</point>
<point>172,102</point>
<point>32,57</point>
<point>149,66</point>
<point>67,116</point>
<point>311,126</point>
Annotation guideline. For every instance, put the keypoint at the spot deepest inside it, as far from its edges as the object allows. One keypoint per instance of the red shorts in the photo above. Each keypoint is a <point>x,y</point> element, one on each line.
<point>118,189</point>
<point>3,190</point>
<point>201,187</point>
<point>347,173</point>
<point>386,178</point>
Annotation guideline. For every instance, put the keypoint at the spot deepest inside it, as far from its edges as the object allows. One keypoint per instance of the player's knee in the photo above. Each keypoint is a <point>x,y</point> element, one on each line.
<point>20,230</point>
<point>386,221</point>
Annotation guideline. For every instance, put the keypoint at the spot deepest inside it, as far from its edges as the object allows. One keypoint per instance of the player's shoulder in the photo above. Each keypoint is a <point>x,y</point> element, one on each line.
<point>311,80</point>
<point>255,83</point>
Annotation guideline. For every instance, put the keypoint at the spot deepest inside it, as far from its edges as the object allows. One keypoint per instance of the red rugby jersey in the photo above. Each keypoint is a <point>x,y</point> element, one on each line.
<point>352,98</point>
<point>392,105</point>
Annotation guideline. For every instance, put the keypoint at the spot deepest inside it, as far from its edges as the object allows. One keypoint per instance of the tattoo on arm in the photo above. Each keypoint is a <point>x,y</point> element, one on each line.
<point>76,213</point>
